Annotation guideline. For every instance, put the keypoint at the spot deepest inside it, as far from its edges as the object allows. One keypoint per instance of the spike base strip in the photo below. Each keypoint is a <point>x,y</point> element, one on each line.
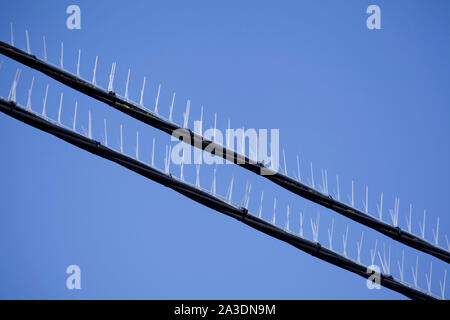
<point>196,140</point>
<point>205,198</point>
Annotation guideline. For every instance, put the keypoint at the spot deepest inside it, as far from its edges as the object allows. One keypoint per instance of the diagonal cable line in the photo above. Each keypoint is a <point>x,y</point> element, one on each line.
<point>205,198</point>
<point>126,106</point>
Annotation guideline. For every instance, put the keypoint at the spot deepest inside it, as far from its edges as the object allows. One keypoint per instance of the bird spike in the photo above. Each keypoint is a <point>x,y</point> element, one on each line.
<point>182,168</point>
<point>213,185</point>
<point>287,217</point>
<point>448,244</point>
<point>95,71</point>
<point>366,202</point>
<point>385,262</point>
<point>380,208</point>
<point>106,132</point>
<point>260,205</point>
<point>330,235</point>
<point>197,176</point>
<point>171,107</point>
<point>274,211</point>
<point>401,267</point>
<point>12,91</point>
<point>422,226</point>
<point>186,114</point>
<point>127,84</point>
<point>111,77</point>
<point>78,63</point>
<point>344,241</point>
<point>394,212</point>
<point>12,33</point>
<point>312,176</point>
<point>44,104</point>
<point>373,252</point>
<point>284,161</point>
<point>157,99</point>
<point>429,278</point>
<point>29,94</point>
<point>141,100</point>
<point>45,48</point>
<point>230,189</point>
<point>409,221</point>
<point>74,123</point>
<point>167,160</point>
<point>414,274</point>
<point>324,182</point>
<point>27,36</point>
<point>299,177</point>
<point>353,194</point>
<point>359,247</point>
<point>315,227</point>
<point>60,107</point>
<point>436,233</point>
<point>442,285</point>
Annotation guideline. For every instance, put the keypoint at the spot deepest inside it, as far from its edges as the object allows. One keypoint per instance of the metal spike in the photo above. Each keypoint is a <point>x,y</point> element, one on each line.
<point>182,168</point>
<point>95,71</point>
<point>366,203</point>
<point>60,107</point>
<point>44,105</point>
<point>12,34</point>
<point>287,217</point>
<point>436,233</point>
<point>312,176</point>
<point>422,226</point>
<point>401,267</point>
<point>414,274</point>
<point>106,132</point>
<point>171,107</point>
<point>429,278</point>
<point>344,241</point>
<point>284,160</point>
<point>373,252</point>
<point>330,235</point>
<point>442,285</point>
<point>409,222</point>
<point>213,186</point>
<point>127,84</point>
<point>315,228</point>
<point>197,176</point>
<point>27,36</point>
<point>74,123</point>
<point>12,91</point>
<point>359,247</point>
<point>45,48</point>
<point>141,100</point>
<point>186,114</point>
<point>448,244</point>
<point>157,99</point>
<point>230,189</point>
<point>111,77</point>
<point>299,177</point>
<point>29,94</point>
<point>260,205</point>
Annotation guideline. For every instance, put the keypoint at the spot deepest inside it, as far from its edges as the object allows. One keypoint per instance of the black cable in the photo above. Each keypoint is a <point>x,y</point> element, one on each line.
<point>241,214</point>
<point>196,140</point>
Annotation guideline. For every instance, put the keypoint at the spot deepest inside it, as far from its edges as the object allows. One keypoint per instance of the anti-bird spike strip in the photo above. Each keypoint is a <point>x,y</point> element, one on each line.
<point>196,140</point>
<point>203,197</point>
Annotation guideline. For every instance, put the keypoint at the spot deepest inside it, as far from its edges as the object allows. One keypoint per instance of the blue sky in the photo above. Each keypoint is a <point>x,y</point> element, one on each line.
<point>369,105</point>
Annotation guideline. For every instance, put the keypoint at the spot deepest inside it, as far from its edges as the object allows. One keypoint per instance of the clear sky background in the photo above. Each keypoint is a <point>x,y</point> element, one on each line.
<point>368,105</point>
